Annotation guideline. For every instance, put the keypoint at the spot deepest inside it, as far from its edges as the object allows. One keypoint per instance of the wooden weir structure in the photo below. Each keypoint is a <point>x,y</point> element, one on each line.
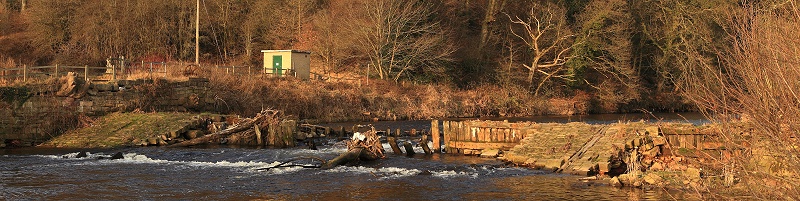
<point>470,137</point>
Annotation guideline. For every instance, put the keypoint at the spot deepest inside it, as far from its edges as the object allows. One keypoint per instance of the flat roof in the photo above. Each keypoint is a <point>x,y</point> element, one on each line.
<point>293,51</point>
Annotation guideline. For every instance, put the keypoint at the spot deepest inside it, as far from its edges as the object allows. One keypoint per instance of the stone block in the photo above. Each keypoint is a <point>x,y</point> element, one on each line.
<point>659,141</point>
<point>490,153</point>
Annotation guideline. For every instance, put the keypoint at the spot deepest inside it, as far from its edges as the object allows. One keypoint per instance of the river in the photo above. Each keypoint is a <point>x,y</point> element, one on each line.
<point>236,173</point>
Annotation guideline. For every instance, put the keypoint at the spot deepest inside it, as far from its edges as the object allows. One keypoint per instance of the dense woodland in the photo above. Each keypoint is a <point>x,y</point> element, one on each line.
<point>625,54</point>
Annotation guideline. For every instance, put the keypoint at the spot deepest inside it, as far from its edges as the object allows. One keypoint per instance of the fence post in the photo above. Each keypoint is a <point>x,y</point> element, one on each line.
<point>113,73</point>
<point>248,70</point>
<point>233,70</point>
<point>165,68</point>
<point>56,70</point>
<point>86,72</point>
<point>24,73</point>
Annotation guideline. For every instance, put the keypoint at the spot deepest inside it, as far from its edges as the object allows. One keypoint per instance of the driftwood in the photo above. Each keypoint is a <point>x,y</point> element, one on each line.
<point>362,147</point>
<point>246,124</point>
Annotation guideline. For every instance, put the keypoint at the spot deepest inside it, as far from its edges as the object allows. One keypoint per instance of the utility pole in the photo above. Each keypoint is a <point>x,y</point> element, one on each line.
<point>197,36</point>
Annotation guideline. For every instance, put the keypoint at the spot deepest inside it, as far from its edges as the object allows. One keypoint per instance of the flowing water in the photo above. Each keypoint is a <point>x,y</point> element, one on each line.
<point>237,173</point>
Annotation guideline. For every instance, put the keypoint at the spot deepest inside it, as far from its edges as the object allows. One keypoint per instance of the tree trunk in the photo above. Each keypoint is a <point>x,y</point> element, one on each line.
<point>344,158</point>
<point>241,127</point>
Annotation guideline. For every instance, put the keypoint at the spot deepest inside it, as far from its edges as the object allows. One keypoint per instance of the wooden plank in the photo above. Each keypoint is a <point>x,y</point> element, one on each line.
<point>435,135</point>
<point>501,137</point>
<point>482,145</point>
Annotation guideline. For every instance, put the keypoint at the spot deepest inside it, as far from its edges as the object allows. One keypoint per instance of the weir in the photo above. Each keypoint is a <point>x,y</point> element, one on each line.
<point>579,148</point>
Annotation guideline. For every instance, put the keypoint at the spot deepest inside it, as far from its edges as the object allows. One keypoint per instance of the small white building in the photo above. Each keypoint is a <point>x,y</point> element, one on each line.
<point>282,63</point>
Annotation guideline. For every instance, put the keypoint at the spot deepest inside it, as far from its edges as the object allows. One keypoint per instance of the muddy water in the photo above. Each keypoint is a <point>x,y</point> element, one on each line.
<point>226,173</point>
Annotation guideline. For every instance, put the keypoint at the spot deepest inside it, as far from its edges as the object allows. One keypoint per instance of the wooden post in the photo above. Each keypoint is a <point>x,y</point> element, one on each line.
<point>151,70</point>
<point>165,68</point>
<point>413,132</point>
<point>248,70</point>
<point>343,133</point>
<point>397,133</point>
<point>424,144</point>
<point>113,73</point>
<point>388,132</point>
<point>56,71</point>
<point>24,73</point>
<point>233,70</point>
<point>435,135</point>
<point>409,148</point>
<point>393,143</point>
<point>258,135</point>
<point>86,72</point>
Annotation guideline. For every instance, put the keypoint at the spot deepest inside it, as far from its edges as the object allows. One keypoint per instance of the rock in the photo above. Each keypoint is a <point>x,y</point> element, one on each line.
<point>192,134</point>
<point>69,86</point>
<point>652,179</point>
<point>626,179</point>
<point>164,137</point>
<point>530,162</point>
<point>2,145</point>
<point>653,152</point>
<point>615,182</point>
<point>116,156</point>
<point>657,166</point>
<point>152,141</point>
<point>82,154</point>
<point>490,153</point>
<point>161,142</point>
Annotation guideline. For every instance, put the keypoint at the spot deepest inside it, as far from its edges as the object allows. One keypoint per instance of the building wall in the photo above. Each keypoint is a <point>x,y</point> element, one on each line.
<point>287,58</point>
<point>301,63</point>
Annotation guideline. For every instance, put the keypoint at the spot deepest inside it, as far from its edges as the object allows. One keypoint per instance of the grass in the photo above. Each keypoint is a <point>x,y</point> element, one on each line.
<point>120,129</point>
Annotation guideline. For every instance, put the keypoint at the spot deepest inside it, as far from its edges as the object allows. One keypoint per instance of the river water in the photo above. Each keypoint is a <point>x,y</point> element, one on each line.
<point>237,173</point>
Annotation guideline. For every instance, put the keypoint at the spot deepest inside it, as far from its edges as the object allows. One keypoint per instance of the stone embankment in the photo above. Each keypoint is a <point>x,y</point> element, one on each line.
<point>33,114</point>
<point>632,154</point>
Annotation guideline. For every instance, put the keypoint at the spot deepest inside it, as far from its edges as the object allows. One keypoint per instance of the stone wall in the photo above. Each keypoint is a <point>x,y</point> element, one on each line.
<point>33,114</point>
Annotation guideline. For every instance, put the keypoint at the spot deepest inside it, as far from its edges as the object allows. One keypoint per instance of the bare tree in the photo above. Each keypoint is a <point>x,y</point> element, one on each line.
<point>547,36</point>
<point>399,36</point>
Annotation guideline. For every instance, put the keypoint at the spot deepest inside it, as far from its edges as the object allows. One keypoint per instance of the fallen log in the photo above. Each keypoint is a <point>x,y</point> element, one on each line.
<point>243,126</point>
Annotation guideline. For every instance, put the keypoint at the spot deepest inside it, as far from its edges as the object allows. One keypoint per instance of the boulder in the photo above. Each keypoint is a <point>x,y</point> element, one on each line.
<point>82,154</point>
<point>490,153</point>
<point>118,155</point>
<point>192,134</point>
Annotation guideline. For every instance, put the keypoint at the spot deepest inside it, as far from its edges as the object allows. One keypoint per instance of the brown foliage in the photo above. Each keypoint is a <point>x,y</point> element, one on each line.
<point>757,83</point>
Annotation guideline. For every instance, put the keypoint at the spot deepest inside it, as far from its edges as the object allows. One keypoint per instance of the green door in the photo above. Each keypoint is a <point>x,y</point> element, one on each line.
<point>277,65</point>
